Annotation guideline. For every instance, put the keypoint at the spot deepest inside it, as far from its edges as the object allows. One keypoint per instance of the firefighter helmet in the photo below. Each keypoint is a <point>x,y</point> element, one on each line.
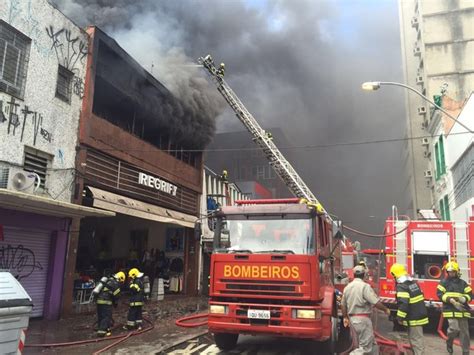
<point>398,270</point>
<point>120,276</point>
<point>133,273</point>
<point>452,266</point>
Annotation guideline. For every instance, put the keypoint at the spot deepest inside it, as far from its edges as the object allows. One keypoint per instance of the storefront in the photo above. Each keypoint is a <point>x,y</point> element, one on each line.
<point>153,229</point>
<point>34,233</point>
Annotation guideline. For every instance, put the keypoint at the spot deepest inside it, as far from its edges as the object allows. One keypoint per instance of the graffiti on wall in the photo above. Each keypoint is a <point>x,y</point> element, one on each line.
<point>20,261</point>
<point>18,119</point>
<point>69,51</point>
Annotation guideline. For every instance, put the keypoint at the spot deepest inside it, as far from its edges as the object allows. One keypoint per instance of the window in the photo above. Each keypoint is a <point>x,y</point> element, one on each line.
<point>439,158</point>
<point>64,84</point>
<point>444,208</point>
<point>37,162</point>
<point>14,56</point>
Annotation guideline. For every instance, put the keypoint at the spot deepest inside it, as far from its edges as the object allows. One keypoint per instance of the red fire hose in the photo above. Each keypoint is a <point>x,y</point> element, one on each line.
<point>183,322</point>
<point>120,338</point>
<point>444,336</point>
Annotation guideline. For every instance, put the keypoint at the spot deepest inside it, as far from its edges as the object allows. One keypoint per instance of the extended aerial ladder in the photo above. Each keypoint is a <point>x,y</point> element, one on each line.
<point>264,139</point>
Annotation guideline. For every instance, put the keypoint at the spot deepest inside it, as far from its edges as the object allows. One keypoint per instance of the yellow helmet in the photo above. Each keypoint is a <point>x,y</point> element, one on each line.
<point>120,276</point>
<point>398,270</point>
<point>452,266</point>
<point>133,273</point>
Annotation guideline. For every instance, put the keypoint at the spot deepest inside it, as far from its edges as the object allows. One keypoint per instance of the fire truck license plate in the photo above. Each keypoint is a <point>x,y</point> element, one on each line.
<point>258,314</point>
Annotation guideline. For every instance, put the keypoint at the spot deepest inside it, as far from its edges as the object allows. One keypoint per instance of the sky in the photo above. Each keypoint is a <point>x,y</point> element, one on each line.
<point>297,65</point>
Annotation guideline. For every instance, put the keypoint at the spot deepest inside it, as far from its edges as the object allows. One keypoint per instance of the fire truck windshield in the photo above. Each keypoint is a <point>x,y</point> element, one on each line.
<point>266,235</point>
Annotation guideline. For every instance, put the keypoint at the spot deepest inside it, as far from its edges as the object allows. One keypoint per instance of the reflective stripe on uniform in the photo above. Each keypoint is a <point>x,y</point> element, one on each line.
<point>403,295</point>
<point>401,314</point>
<point>136,304</point>
<point>467,289</point>
<point>456,314</point>
<point>441,288</point>
<point>104,302</point>
<point>135,286</point>
<point>116,292</point>
<point>416,322</point>
<point>417,299</point>
<point>451,294</point>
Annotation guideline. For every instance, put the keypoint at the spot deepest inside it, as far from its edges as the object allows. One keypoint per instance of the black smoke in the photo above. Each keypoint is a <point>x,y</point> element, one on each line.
<point>297,65</point>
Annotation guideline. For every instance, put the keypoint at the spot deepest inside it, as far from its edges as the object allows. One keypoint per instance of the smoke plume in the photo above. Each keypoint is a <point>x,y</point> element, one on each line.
<point>297,65</point>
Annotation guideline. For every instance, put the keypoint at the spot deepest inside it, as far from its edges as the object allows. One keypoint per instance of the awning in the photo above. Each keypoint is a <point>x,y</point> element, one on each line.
<point>20,201</point>
<point>129,206</point>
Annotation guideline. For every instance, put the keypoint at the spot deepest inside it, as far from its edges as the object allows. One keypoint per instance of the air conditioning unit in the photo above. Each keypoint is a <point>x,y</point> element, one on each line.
<point>427,154</point>
<point>419,79</point>
<point>421,110</point>
<point>428,174</point>
<point>425,141</point>
<point>414,22</point>
<point>23,181</point>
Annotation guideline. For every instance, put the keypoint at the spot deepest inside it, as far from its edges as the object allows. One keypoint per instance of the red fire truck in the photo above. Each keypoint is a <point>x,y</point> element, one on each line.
<point>424,246</point>
<point>273,267</point>
<point>275,262</point>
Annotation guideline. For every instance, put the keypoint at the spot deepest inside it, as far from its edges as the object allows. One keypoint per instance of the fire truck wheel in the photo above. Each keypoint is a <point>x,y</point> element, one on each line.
<point>226,341</point>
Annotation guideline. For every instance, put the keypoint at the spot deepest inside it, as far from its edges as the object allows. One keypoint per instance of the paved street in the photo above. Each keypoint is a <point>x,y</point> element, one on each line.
<point>271,345</point>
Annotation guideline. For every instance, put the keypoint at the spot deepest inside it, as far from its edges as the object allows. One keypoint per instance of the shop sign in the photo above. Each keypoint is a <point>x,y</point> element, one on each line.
<point>157,183</point>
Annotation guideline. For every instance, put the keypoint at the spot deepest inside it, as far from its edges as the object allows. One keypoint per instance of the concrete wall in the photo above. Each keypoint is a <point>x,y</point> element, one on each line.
<point>44,121</point>
<point>445,36</point>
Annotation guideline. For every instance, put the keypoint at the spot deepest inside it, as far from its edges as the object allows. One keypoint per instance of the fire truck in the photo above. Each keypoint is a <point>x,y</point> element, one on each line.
<point>274,262</point>
<point>424,246</point>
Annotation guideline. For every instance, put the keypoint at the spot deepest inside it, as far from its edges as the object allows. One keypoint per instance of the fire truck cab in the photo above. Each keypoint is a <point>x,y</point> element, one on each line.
<point>272,272</point>
<point>424,246</point>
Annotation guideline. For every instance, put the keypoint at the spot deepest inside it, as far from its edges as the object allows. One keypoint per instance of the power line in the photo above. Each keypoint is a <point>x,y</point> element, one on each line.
<point>304,147</point>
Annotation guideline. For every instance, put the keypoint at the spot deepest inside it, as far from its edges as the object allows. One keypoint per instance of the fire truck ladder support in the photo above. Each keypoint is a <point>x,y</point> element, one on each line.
<point>263,139</point>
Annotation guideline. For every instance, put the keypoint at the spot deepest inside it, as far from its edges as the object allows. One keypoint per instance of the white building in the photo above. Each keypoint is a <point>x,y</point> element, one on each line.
<point>42,67</point>
<point>460,162</point>
<point>217,191</point>
<point>437,39</point>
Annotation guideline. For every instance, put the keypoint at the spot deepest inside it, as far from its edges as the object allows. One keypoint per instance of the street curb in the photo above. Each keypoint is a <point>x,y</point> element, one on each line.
<point>182,340</point>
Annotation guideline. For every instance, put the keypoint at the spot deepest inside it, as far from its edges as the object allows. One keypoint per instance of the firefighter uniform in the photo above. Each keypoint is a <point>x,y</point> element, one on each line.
<point>411,307</point>
<point>137,299</point>
<point>107,297</point>
<point>456,294</point>
<point>357,302</point>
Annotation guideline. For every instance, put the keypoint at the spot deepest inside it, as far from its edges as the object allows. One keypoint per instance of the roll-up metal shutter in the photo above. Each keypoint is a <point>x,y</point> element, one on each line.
<point>25,253</point>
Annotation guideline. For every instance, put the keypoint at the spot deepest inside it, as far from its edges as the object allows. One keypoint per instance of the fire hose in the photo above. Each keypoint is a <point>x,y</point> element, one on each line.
<point>443,335</point>
<point>183,322</point>
<point>119,338</point>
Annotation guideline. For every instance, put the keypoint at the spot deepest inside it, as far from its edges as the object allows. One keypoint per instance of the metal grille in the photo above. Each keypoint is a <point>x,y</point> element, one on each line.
<point>14,56</point>
<point>106,171</point>
<point>64,84</point>
<point>37,164</point>
<point>4,172</point>
<point>262,287</point>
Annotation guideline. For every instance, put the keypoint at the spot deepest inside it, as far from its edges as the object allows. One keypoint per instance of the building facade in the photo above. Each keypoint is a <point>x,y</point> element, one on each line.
<point>246,163</point>
<point>437,39</point>
<point>42,68</point>
<point>217,191</point>
<point>133,161</point>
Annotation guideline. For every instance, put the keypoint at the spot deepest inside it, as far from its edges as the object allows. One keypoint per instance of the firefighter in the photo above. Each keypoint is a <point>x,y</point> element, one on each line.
<point>357,302</point>
<point>221,70</point>
<point>456,295</point>
<point>411,307</point>
<point>107,296</point>
<point>137,299</point>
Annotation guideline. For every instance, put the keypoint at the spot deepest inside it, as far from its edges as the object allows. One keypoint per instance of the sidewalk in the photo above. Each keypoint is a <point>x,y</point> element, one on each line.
<point>81,327</point>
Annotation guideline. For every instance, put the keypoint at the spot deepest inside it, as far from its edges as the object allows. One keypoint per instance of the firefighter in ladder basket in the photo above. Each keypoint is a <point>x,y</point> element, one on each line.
<point>411,307</point>
<point>357,302</point>
<point>456,295</point>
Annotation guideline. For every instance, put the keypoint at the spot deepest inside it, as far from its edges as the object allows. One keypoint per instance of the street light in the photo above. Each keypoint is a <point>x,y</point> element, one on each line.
<point>375,85</point>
